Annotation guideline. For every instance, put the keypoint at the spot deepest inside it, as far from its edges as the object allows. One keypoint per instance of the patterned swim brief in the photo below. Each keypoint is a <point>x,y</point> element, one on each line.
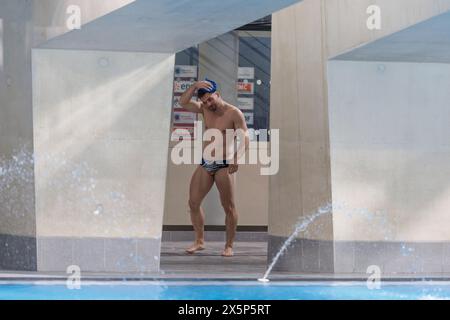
<point>213,166</point>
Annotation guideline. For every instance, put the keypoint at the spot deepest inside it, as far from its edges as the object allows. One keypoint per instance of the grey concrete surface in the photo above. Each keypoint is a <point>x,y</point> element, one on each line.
<point>165,26</point>
<point>428,41</point>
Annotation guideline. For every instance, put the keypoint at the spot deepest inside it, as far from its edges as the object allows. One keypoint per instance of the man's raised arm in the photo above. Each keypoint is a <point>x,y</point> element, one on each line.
<point>186,98</point>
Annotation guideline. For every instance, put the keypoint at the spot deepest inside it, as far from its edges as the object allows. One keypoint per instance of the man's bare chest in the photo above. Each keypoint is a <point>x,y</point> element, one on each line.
<point>220,122</point>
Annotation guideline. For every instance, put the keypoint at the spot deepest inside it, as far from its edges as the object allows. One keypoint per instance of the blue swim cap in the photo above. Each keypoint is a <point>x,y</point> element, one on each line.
<point>202,91</point>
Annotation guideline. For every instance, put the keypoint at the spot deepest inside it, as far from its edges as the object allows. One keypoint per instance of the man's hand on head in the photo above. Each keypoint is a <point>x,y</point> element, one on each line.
<point>203,85</point>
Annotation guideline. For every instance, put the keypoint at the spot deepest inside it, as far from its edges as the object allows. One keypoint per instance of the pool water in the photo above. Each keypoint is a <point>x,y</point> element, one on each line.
<point>225,291</point>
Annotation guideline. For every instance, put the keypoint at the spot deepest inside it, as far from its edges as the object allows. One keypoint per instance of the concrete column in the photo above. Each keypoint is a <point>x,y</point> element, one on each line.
<point>298,110</point>
<point>304,37</point>
<point>219,61</point>
<point>17,220</point>
<point>390,152</point>
<point>101,130</point>
<point>24,24</point>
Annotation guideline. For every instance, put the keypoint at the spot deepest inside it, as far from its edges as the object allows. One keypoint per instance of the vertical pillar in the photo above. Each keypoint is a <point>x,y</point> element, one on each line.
<point>304,37</point>
<point>299,111</point>
<point>17,217</point>
<point>101,130</point>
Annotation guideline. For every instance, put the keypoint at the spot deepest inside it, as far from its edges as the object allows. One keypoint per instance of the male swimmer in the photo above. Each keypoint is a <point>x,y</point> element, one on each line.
<point>221,115</point>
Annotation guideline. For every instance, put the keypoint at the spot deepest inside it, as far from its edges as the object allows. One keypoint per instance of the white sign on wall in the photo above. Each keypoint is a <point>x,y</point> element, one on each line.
<point>246,73</point>
<point>181,86</point>
<point>245,103</point>
<point>182,71</point>
<point>245,87</point>
<point>184,117</point>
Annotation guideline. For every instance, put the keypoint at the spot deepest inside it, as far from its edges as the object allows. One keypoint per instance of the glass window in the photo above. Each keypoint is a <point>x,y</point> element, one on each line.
<point>254,78</point>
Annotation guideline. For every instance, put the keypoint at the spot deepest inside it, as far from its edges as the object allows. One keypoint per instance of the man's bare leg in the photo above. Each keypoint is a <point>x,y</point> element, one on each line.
<point>201,183</point>
<point>224,182</point>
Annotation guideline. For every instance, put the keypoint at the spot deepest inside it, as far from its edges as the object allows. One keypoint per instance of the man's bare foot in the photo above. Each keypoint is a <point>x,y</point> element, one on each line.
<point>227,252</point>
<point>198,246</point>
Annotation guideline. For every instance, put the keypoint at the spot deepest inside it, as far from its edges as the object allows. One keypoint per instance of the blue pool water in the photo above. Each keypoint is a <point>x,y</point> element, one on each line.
<point>226,291</point>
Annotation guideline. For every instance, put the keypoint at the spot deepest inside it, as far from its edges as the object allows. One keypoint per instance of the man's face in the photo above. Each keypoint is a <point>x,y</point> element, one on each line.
<point>210,100</point>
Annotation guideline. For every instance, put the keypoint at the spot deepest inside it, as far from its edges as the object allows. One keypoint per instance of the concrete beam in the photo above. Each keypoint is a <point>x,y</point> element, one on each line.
<point>165,25</point>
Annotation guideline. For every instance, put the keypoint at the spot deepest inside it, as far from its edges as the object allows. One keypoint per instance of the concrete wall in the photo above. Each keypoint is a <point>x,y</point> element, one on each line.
<point>249,184</point>
<point>390,151</point>
<point>100,146</point>
<point>25,24</point>
<point>298,109</point>
<point>17,221</point>
<point>343,33</point>
<point>304,37</point>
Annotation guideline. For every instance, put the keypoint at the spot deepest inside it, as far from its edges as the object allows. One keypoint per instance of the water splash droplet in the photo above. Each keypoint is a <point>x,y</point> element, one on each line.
<point>300,227</point>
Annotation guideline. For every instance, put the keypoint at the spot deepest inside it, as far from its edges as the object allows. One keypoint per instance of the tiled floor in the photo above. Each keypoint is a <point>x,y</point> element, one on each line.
<point>249,260</point>
<point>248,263</point>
